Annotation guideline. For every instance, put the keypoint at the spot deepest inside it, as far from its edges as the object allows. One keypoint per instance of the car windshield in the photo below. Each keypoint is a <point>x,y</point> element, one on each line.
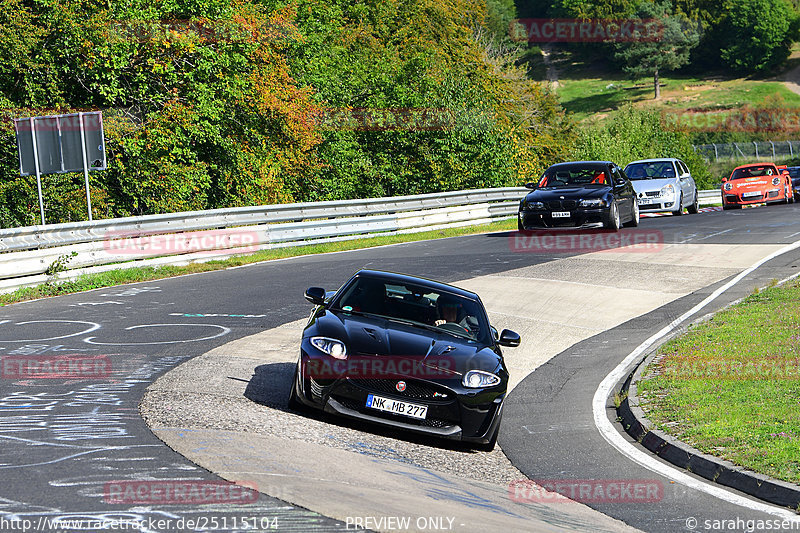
<point>754,172</point>
<point>794,172</point>
<point>572,176</point>
<point>416,306</point>
<point>650,170</point>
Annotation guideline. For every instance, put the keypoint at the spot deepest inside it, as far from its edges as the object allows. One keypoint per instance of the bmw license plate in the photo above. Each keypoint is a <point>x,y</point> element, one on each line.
<point>397,407</point>
<point>560,214</point>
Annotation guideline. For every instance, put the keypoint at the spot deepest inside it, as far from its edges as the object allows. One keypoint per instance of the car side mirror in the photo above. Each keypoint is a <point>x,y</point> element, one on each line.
<point>531,185</point>
<point>724,180</point>
<point>508,338</point>
<point>315,295</point>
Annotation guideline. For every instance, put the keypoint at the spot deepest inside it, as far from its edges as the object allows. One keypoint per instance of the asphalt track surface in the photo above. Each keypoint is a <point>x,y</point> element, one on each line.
<point>64,440</point>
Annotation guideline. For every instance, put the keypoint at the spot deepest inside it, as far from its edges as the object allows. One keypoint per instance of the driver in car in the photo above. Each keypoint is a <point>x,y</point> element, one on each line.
<point>451,311</point>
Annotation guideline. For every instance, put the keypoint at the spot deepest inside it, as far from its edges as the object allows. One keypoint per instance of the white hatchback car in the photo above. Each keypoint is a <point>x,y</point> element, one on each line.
<point>663,185</point>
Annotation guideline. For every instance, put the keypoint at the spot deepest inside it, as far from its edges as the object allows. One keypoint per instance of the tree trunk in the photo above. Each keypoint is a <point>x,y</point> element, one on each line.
<point>655,81</point>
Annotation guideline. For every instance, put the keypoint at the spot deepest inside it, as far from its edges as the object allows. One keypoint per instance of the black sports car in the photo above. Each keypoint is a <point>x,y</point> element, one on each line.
<point>407,352</point>
<point>580,194</point>
<point>794,173</point>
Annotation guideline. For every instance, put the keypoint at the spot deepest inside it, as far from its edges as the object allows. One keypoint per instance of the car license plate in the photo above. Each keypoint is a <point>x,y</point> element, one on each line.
<point>645,201</point>
<point>751,194</point>
<point>560,214</point>
<point>397,407</point>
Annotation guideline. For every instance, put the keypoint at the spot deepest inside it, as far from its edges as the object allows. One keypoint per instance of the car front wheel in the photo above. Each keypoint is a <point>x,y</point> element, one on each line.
<point>613,217</point>
<point>634,221</point>
<point>694,208</point>
<point>679,212</point>
<point>294,402</point>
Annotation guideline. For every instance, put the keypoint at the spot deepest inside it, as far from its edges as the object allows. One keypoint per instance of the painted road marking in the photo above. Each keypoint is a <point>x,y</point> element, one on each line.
<point>613,437</point>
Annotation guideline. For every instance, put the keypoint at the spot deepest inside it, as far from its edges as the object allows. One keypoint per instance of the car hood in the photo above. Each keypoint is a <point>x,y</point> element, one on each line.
<point>745,184</point>
<point>372,336</point>
<point>546,194</point>
<point>652,185</point>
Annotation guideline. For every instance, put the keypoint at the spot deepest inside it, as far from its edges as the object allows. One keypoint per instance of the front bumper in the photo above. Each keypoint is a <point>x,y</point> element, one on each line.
<point>659,204</point>
<point>455,412</point>
<point>579,218</point>
<point>772,195</point>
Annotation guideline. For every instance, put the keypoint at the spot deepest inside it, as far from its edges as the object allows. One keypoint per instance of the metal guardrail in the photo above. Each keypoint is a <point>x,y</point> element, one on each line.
<point>713,196</point>
<point>26,253</point>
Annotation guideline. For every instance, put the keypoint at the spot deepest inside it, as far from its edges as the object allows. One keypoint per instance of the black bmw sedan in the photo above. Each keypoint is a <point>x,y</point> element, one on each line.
<point>407,352</point>
<point>580,194</point>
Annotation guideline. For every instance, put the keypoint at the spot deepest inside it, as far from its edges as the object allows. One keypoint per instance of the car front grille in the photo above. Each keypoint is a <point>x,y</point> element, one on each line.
<point>652,194</point>
<point>414,389</point>
<point>561,205</point>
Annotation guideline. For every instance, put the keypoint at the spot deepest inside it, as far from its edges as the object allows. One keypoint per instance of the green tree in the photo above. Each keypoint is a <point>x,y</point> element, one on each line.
<point>647,56</point>
<point>759,34</point>
<point>639,134</point>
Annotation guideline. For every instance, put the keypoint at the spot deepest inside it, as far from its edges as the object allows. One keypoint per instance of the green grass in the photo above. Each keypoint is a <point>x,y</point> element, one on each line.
<point>730,387</point>
<point>592,88</point>
<point>137,274</point>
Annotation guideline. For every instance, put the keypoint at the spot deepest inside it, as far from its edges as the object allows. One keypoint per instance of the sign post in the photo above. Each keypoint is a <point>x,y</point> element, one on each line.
<point>38,174</point>
<point>61,143</point>
<point>85,167</point>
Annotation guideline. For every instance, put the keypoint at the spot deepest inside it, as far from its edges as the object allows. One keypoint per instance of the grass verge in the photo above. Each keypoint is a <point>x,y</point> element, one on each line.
<point>730,387</point>
<point>136,274</point>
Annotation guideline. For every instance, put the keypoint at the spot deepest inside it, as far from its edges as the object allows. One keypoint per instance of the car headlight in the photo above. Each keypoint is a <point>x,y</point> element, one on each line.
<point>332,347</point>
<point>727,186</point>
<point>535,205</point>
<point>776,180</point>
<point>592,202</point>
<point>476,379</point>
<point>668,190</point>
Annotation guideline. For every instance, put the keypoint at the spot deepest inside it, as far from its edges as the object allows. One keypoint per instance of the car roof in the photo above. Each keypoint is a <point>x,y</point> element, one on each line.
<point>405,278</point>
<point>655,160</point>
<point>748,165</point>
<point>590,164</point>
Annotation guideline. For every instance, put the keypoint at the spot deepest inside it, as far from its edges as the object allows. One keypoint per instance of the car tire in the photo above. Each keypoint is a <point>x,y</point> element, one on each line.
<point>294,402</point>
<point>695,207</point>
<point>633,222</point>
<point>489,446</point>
<point>613,222</point>
<point>679,212</point>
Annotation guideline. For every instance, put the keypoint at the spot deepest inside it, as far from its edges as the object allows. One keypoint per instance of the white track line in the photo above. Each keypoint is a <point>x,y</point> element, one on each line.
<point>612,436</point>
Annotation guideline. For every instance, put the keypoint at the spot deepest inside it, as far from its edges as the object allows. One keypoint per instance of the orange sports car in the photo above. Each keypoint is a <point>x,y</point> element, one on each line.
<point>756,183</point>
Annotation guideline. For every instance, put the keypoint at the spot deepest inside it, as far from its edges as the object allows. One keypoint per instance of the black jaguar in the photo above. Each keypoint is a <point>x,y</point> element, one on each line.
<point>580,194</point>
<point>407,352</point>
